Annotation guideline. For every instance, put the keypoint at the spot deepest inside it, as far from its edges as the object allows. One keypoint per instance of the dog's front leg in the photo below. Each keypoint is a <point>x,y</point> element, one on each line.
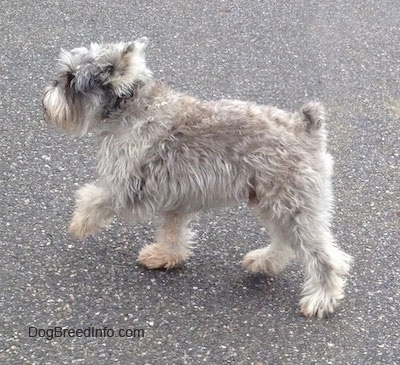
<point>173,243</point>
<point>92,211</point>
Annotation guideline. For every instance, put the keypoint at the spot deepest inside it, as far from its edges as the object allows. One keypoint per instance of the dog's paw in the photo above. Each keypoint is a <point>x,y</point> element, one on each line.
<point>261,260</point>
<point>157,256</point>
<point>80,228</point>
<point>252,261</point>
<point>321,301</point>
<point>316,306</point>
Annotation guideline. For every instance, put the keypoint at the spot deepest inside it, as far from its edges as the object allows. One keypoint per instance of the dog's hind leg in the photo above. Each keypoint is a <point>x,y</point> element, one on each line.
<point>173,243</point>
<point>92,211</point>
<point>273,258</point>
<point>298,218</point>
<point>324,263</point>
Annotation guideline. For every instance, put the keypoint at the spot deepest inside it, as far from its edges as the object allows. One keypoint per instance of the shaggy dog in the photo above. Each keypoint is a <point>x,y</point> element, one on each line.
<point>169,154</point>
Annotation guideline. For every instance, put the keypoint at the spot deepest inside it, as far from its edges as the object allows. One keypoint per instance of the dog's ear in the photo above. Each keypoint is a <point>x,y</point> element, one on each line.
<point>77,70</point>
<point>137,46</point>
<point>128,48</point>
<point>69,61</point>
<point>140,44</point>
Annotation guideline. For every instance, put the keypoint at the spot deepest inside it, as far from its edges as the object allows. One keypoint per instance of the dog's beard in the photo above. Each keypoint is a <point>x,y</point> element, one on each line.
<point>74,112</point>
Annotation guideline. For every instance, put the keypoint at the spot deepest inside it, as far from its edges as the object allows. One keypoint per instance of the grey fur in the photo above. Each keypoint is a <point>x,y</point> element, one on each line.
<point>169,154</point>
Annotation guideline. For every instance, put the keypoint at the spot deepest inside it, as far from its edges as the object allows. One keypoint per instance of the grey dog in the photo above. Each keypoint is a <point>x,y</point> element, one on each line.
<point>167,154</point>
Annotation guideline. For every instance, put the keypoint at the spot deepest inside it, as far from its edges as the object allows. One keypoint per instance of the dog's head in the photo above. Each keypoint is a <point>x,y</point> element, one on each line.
<point>91,80</point>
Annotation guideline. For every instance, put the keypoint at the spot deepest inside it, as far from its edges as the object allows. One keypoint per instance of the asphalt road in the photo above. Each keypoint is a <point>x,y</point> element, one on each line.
<point>209,311</point>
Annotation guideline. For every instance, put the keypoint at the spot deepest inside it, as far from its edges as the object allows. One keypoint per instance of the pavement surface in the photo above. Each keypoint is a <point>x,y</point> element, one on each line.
<point>209,311</point>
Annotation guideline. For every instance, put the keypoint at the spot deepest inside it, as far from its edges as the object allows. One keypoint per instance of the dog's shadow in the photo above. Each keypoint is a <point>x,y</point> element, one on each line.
<point>208,282</point>
<point>227,287</point>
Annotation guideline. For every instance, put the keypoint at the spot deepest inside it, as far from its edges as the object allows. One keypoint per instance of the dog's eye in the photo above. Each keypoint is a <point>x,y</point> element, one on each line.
<point>109,69</point>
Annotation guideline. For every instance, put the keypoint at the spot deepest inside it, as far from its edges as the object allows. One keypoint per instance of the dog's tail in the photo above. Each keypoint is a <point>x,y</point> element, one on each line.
<point>313,116</point>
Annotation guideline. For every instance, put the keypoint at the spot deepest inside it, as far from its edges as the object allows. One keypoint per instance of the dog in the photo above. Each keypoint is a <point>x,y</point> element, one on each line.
<point>167,154</point>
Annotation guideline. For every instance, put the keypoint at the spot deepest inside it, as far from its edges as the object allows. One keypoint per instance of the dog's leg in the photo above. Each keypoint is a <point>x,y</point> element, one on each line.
<point>92,212</point>
<point>173,243</point>
<point>324,263</point>
<point>271,259</point>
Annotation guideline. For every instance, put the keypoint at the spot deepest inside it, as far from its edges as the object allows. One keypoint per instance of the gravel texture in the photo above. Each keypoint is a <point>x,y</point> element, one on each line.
<point>209,311</point>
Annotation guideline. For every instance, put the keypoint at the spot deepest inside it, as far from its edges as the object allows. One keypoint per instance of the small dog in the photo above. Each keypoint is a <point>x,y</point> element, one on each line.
<point>168,154</point>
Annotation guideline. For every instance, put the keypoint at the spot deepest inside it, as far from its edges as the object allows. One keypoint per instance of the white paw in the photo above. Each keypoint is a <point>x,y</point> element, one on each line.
<point>252,261</point>
<point>260,261</point>
<point>321,301</point>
